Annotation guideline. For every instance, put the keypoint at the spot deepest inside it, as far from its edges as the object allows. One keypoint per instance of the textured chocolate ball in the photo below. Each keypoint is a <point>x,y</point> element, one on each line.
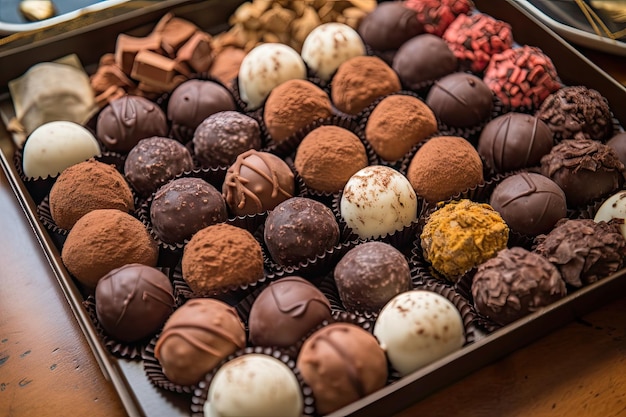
<point>389,25</point>
<point>286,311</point>
<point>133,302</point>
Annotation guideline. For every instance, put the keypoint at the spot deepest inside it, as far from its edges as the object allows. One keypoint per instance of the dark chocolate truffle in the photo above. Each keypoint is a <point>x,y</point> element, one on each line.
<point>286,311</point>
<point>389,25</point>
<point>618,144</point>
<point>370,275</point>
<point>514,141</point>
<point>127,120</point>
<point>529,203</point>
<point>515,283</point>
<point>299,229</point>
<point>133,302</point>
<point>183,206</point>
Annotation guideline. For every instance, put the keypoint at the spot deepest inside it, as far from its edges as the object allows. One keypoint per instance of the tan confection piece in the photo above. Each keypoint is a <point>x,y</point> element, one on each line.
<point>197,52</point>
<point>127,47</point>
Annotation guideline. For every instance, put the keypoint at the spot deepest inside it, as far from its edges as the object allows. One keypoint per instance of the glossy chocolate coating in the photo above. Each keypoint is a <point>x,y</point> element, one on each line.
<point>133,302</point>
<point>389,25</point>
<point>618,143</point>
<point>286,311</point>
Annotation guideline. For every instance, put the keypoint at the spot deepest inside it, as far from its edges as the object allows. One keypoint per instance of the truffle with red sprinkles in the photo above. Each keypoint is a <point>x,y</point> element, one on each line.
<point>437,15</point>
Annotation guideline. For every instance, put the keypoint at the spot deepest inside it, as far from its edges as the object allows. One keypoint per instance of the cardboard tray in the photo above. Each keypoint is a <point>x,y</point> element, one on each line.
<point>138,395</point>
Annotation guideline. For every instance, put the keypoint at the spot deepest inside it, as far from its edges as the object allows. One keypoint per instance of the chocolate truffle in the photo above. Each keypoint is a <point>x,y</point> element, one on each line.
<point>618,143</point>
<point>461,235</point>
<point>389,25</point>
<point>192,102</point>
<point>422,59</point>
<point>613,207</point>
<point>577,112</point>
<point>298,230</point>
<point>196,338</point>
<point>515,283</point>
<point>221,257</point>
<point>437,15</point>
<point>257,182</point>
<point>286,311</point>
<point>103,240</point>
<point>133,302</point>
<point>292,106</point>
<point>460,100</point>
<point>584,251</point>
<point>155,161</point>
<point>341,363</point>
<point>88,186</point>
<point>397,124</point>
<point>529,203</point>
<point>585,169</point>
<point>359,81</point>
<point>127,120</point>
<point>444,166</point>
<point>183,206</point>
<point>371,274</point>
<point>328,156</point>
<point>514,141</point>
<point>223,136</point>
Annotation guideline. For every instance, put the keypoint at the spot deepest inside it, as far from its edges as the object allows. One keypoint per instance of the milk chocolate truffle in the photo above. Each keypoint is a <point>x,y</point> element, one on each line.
<point>613,207</point>
<point>103,240</point>
<point>286,311</point>
<point>133,302</point>
<point>155,161</point>
<point>328,156</point>
<point>341,363</point>
<point>584,251</point>
<point>397,124</point>
<point>370,275</point>
<point>515,283</point>
<point>223,136</point>
<point>514,141</point>
<point>359,81</point>
<point>443,167</point>
<point>460,100</point>
<point>299,229</point>
<point>88,186</point>
<point>437,15</point>
<point>221,257</point>
<point>183,206</point>
<point>618,143</point>
<point>127,120</point>
<point>389,26</point>
<point>256,182</point>
<point>529,203</point>
<point>292,106</point>
<point>196,338</point>
<point>577,112</point>
<point>585,169</point>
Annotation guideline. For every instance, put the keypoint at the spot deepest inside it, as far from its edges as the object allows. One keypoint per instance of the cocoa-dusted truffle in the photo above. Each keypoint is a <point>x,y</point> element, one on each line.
<point>256,182</point>
<point>223,136</point>
<point>585,169</point>
<point>103,240</point>
<point>618,144</point>
<point>583,250</point>
<point>577,112</point>
<point>514,141</point>
<point>437,15</point>
<point>299,229</point>
<point>371,274</point>
<point>389,26</point>
<point>359,81</point>
<point>443,167</point>
<point>196,338</point>
<point>154,161</point>
<point>398,123</point>
<point>221,257</point>
<point>127,120</point>
<point>286,311</point>
<point>292,106</point>
<point>88,186</point>
<point>183,206</point>
<point>515,283</point>
<point>341,363</point>
<point>133,302</point>
<point>328,156</point>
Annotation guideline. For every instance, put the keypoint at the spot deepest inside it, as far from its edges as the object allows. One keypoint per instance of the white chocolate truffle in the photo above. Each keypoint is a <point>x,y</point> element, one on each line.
<point>328,46</point>
<point>418,327</point>
<point>254,385</point>
<point>57,145</point>
<point>378,200</point>
<point>613,208</point>
<point>267,66</point>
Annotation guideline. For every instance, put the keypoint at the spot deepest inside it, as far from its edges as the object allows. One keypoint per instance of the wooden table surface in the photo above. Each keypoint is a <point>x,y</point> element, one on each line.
<point>48,369</point>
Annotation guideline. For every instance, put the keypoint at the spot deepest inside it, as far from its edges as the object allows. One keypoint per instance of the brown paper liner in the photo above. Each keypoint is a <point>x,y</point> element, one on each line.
<point>39,187</point>
<point>57,234</point>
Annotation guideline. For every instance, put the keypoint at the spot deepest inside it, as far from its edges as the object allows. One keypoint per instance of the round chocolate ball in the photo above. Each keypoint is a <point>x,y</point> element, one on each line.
<point>618,143</point>
<point>389,25</point>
